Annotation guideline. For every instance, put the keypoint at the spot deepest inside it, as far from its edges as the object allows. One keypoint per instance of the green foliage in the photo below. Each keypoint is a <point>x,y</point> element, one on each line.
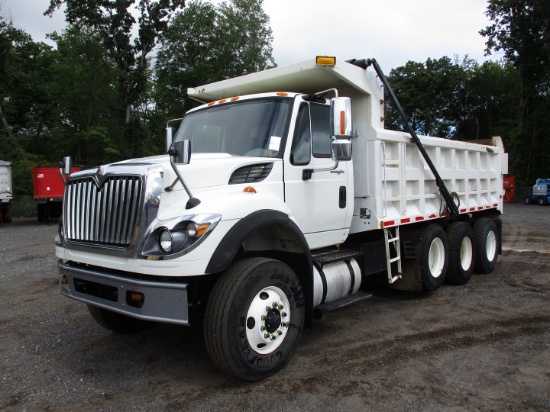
<point>114,23</point>
<point>521,29</point>
<point>23,206</point>
<point>432,95</point>
<point>206,43</point>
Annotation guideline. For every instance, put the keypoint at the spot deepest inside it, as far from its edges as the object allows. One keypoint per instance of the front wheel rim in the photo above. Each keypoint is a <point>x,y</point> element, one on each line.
<point>268,320</point>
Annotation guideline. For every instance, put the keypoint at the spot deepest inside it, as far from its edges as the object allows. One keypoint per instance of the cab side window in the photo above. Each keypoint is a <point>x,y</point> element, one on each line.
<point>301,144</point>
<point>320,130</point>
<point>312,133</point>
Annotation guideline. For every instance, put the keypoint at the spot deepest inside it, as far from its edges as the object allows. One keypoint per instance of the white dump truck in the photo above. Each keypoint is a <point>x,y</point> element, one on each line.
<point>277,198</point>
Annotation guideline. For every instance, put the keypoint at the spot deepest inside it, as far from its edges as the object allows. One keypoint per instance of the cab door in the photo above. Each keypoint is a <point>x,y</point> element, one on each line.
<point>319,200</point>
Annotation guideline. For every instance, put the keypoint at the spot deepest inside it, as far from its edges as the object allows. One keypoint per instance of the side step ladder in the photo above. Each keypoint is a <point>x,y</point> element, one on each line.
<point>393,254</point>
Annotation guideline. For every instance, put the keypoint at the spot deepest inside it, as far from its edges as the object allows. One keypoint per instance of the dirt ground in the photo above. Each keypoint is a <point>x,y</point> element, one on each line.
<point>482,346</point>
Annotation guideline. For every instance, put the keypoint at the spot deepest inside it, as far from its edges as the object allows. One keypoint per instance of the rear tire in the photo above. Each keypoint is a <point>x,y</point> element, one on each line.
<point>116,322</point>
<point>254,318</point>
<point>461,253</point>
<point>6,213</point>
<point>434,257</point>
<point>486,245</point>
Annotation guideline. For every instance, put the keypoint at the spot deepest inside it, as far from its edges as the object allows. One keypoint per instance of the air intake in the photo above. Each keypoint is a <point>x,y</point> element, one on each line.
<point>251,174</point>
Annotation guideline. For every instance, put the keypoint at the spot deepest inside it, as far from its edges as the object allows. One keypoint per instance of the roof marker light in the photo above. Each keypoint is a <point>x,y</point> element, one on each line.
<point>325,60</point>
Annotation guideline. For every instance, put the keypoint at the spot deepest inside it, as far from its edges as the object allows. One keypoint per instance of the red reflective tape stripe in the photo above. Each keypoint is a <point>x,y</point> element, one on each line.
<point>406,220</point>
<point>463,210</point>
<point>389,223</point>
<point>432,216</point>
<point>418,218</point>
<point>472,209</point>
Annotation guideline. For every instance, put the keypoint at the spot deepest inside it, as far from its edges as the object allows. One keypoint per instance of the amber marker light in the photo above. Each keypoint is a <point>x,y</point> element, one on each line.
<point>135,299</point>
<point>234,99</point>
<point>342,123</point>
<point>249,189</point>
<point>326,60</point>
<point>282,94</point>
<point>64,280</point>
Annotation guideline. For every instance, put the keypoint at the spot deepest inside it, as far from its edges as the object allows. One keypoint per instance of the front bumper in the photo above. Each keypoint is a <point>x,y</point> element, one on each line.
<point>162,301</point>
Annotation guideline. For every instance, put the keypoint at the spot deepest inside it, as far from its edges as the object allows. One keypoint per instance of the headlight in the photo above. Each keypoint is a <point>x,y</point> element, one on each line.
<point>178,236</point>
<point>165,240</point>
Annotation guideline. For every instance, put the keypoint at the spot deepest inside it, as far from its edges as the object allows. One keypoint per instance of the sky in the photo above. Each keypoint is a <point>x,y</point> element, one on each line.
<point>391,31</point>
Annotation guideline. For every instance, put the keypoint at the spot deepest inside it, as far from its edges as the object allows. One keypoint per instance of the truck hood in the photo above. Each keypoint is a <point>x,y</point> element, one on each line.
<point>205,169</point>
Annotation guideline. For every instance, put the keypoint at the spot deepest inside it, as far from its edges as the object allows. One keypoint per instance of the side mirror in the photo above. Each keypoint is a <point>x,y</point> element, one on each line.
<point>341,150</point>
<point>67,165</point>
<point>169,137</point>
<point>180,152</point>
<point>340,117</point>
<point>65,168</point>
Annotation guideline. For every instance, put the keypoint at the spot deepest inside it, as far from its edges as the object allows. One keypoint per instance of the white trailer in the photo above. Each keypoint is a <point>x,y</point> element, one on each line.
<point>6,192</point>
<point>292,194</point>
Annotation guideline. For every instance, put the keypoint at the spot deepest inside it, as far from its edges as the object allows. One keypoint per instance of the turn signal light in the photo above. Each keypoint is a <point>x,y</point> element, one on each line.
<point>135,299</point>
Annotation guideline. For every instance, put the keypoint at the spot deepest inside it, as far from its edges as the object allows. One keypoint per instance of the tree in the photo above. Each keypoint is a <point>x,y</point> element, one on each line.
<point>83,86</point>
<point>206,43</point>
<point>114,23</point>
<point>432,95</point>
<point>24,99</point>
<point>244,38</point>
<point>521,29</point>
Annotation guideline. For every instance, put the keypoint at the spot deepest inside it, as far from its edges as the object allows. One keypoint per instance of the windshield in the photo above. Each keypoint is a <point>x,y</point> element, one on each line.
<point>246,128</point>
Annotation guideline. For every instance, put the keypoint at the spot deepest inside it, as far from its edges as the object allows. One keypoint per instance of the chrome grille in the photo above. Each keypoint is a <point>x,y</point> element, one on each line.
<point>105,215</point>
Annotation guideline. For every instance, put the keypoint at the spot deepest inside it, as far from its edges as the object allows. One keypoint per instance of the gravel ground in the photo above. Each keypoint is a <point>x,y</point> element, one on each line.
<point>482,346</point>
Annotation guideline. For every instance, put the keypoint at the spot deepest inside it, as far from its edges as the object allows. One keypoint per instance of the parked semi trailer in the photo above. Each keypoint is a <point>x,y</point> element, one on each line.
<point>48,189</point>
<point>277,198</point>
<point>6,191</point>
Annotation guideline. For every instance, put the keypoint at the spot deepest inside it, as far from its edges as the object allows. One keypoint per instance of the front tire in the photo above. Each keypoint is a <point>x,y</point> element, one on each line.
<point>486,245</point>
<point>254,318</point>
<point>434,257</point>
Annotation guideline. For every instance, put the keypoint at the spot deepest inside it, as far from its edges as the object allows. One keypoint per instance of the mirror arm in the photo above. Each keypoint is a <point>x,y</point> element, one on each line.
<point>193,201</point>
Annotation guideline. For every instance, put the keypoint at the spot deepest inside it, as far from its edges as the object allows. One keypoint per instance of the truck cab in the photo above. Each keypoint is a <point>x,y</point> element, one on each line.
<point>255,130</point>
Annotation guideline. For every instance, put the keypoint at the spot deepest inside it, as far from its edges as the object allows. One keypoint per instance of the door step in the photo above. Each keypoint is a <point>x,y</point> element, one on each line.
<point>334,256</point>
<point>344,302</point>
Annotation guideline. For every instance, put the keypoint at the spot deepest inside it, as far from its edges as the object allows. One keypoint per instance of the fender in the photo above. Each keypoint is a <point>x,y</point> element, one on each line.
<point>229,246</point>
<point>232,241</point>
